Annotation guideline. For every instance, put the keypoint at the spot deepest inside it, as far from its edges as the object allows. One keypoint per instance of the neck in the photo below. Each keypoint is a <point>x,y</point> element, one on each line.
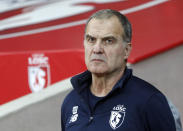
<point>103,84</point>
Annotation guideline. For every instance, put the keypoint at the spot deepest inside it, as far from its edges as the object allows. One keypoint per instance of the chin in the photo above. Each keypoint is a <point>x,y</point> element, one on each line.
<point>96,70</point>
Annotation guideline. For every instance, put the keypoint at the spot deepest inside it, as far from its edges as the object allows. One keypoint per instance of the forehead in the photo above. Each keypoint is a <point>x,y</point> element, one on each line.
<point>104,27</point>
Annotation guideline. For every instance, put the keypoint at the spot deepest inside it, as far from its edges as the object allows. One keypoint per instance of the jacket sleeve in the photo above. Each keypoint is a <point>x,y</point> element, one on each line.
<point>158,115</point>
<point>62,119</point>
<point>63,115</point>
<point>62,126</point>
<point>176,116</point>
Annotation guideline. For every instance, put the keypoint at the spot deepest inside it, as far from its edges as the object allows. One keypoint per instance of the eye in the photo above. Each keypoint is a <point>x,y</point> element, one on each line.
<point>90,39</point>
<point>109,41</point>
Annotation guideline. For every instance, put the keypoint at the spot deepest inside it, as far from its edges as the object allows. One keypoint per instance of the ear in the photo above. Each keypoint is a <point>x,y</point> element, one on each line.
<point>127,50</point>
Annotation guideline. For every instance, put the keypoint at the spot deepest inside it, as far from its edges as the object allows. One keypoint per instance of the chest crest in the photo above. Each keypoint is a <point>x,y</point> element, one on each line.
<point>117,116</point>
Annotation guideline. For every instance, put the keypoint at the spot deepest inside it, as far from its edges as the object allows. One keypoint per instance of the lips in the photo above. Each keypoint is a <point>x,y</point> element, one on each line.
<point>97,58</point>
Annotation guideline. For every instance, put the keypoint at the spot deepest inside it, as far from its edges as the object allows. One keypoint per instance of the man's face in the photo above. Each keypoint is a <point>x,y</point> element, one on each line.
<point>105,50</point>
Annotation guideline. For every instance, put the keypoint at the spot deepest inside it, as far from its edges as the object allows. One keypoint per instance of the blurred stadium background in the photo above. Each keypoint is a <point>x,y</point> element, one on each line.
<point>41,48</point>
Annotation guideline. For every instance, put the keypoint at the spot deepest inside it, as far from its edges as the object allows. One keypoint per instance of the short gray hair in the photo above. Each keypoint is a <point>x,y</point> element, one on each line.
<point>107,13</point>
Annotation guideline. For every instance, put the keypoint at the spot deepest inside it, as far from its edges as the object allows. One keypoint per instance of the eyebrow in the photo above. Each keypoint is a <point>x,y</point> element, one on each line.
<point>109,37</point>
<point>104,38</point>
<point>90,36</point>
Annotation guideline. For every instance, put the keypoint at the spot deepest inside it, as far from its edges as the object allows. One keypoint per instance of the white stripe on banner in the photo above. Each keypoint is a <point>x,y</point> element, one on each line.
<point>76,23</point>
<point>32,98</point>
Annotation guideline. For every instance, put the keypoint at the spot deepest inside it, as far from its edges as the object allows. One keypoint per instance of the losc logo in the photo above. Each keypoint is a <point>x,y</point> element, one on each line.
<point>117,116</point>
<point>38,72</point>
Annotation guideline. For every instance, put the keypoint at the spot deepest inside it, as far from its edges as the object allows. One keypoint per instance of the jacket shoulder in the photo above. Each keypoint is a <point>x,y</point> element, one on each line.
<point>142,87</point>
<point>68,100</point>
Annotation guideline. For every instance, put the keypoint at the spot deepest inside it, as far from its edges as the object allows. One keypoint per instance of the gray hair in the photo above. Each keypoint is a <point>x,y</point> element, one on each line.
<point>107,13</point>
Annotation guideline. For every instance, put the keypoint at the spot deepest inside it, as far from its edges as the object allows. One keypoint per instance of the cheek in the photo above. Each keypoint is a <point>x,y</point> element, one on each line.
<point>86,59</point>
<point>116,56</point>
<point>87,54</point>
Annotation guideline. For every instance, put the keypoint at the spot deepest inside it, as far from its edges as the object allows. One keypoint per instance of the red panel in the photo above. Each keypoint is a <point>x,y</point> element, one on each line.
<point>14,71</point>
<point>156,29</point>
<point>61,39</point>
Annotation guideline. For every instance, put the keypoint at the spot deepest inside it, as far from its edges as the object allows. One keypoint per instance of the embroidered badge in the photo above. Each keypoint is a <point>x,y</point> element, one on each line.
<point>117,116</point>
<point>74,116</point>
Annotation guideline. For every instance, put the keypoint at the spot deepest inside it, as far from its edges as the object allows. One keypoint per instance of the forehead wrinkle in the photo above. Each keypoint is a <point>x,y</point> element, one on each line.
<point>112,26</point>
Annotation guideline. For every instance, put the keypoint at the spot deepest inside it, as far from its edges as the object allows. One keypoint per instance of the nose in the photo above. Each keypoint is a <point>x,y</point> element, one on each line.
<point>98,48</point>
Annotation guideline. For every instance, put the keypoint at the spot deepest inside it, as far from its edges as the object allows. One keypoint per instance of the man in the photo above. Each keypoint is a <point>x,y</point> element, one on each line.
<point>108,97</point>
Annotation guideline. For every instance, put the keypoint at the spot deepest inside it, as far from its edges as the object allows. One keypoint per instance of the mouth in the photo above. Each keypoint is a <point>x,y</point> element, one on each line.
<point>97,60</point>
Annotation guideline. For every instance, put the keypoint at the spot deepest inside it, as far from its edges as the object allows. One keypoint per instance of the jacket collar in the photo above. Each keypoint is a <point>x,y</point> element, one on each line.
<point>83,80</point>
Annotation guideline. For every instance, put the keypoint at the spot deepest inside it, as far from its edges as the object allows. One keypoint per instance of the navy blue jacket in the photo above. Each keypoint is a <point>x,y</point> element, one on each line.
<point>132,105</point>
